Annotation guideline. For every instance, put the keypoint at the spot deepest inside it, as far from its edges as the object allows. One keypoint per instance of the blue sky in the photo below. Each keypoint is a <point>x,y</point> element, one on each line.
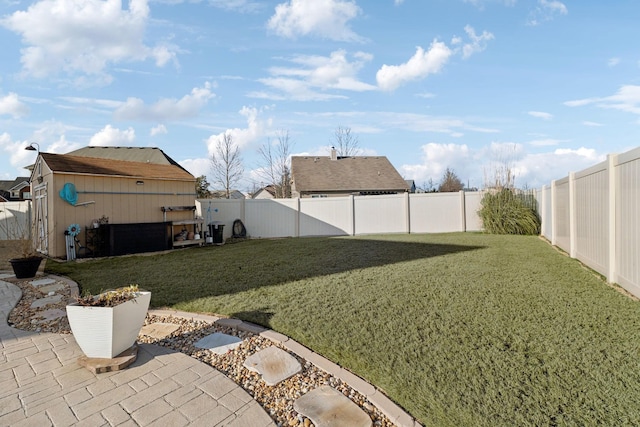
<point>547,87</point>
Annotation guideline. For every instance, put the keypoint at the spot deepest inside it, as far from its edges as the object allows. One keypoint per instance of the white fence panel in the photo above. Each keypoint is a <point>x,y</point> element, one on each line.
<point>472,202</point>
<point>224,210</point>
<point>381,214</point>
<point>271,218</point>
<point>561,217</point>
<point>331,216</point>
<point>436,212</point>
<point>628,221</point>
<point>15,220</point>
<point>592,217</point>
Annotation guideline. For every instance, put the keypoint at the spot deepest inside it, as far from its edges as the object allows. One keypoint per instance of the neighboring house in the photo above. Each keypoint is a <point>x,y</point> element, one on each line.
<point>16,190</point>
<point>342,176</point>
<point>130,194</point>
<point>222,194</point>
<point>268,192</point>
<point>411,184</point>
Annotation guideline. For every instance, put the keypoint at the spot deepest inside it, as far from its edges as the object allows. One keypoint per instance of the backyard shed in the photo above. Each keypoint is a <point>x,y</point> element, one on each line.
<point>128,196</point>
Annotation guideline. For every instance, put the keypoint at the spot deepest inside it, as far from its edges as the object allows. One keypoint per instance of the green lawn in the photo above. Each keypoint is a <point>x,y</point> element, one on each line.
<point>460,329</point>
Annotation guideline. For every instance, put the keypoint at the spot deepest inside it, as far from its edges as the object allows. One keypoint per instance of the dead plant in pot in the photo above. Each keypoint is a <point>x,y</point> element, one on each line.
<point>107,324</point>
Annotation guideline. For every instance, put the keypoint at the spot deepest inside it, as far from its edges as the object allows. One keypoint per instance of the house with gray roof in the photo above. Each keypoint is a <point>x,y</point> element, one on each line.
<point>330,176</point>
<point>15,190</point>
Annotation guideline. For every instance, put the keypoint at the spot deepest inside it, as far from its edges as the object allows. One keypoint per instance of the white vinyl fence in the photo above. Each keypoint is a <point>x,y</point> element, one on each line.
<point>594,215</point>
<point>15,220</point>
<point>350,215</point>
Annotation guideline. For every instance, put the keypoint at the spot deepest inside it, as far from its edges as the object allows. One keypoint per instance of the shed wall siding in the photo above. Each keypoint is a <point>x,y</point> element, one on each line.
<point>120,199</point>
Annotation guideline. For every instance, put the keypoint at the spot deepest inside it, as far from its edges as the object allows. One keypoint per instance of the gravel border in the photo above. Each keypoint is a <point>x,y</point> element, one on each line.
<point>277,400</point>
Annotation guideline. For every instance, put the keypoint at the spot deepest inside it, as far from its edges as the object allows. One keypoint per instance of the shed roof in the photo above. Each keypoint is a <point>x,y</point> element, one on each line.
<point>110,167</point>
<point>130,154</point>
<point>346,174</point>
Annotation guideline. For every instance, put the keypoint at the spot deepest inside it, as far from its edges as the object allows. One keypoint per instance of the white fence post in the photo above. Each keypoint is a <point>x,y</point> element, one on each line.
<point>352,209</point>
<point>407,207</point>
<point>554,238</point>
<point>542,208</point>
<point>572,215</point>
<point>612,159</point>
<point>463,212</point>
<point>297,224</point>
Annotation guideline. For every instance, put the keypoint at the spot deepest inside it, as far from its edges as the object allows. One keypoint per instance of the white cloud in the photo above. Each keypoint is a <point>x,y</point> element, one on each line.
<point>328,19</point>
<point>12,106</point>
<point>541,115</point>
<point>166,109</point>
<point>313,75</point>
<point>475,166</point>
<point>612,62</point>
<point>197,167</point>
<point>110,136</point>
<point>158,130</point>
<point>398,2</point>
<point>546,10</point>
<point>478,42</point>
<point>419,66</point>
<point>83,37</point>
<point>243,137</point>
<point>592,124</point>
<point>15,151</point>
<point>627,99</point>
<point>422,64</point>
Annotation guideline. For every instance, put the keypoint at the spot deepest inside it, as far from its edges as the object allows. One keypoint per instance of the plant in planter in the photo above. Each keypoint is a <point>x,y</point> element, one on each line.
<point>107,324</point>
<point>25,260</point>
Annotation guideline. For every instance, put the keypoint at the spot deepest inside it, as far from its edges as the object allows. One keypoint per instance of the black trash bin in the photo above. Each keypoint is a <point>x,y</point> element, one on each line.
<point>216,229</point>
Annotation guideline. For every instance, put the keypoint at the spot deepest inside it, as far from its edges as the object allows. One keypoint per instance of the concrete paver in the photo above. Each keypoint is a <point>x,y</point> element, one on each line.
<point>44,385</point>
<point>274,364</point>
<point>327,407</point>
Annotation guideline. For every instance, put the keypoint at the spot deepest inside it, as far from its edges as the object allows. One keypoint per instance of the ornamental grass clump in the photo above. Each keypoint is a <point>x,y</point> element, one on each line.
<point>110,298</point>
<point>505,212</point>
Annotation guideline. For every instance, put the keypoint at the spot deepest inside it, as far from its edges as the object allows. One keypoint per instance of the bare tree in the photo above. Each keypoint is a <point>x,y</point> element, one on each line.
<point>275,164</point>
<point>450,182</point>
<point>345,142</point>
<point>226,163</point>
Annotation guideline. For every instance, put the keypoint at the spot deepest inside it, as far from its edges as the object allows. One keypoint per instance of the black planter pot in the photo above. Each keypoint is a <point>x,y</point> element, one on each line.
<point>25,268</point>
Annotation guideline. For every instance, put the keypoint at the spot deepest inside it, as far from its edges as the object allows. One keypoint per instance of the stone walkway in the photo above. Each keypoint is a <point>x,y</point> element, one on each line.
<point>41,382</point>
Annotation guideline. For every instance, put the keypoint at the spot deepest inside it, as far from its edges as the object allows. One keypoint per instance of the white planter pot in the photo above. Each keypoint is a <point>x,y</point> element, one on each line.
<point>105,332</point>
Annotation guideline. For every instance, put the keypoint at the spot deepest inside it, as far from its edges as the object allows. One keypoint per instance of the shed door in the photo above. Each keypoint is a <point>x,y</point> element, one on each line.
<point>41,218</point>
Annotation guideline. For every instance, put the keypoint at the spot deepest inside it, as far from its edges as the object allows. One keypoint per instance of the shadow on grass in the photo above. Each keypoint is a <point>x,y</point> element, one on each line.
<point>189,274</point>
<point>259,317</point>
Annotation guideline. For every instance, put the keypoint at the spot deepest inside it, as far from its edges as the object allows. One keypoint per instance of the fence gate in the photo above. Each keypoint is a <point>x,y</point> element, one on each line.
<point>41,218</point>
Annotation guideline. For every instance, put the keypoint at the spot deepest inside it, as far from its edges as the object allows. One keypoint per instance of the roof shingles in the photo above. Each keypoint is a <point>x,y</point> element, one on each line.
<point>346,174</point>
<point>111,167</point>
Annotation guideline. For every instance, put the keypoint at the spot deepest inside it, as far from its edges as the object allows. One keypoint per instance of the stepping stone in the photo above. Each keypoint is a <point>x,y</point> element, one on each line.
<point>5,275</point>
<point>42,282</point>
<point>51,314</point>
<point>274,364</point>
<point>51,288</point>
<point>327,407</point>
<point>219,343</point>
<point>159,330</point>
<point>41,302</point>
